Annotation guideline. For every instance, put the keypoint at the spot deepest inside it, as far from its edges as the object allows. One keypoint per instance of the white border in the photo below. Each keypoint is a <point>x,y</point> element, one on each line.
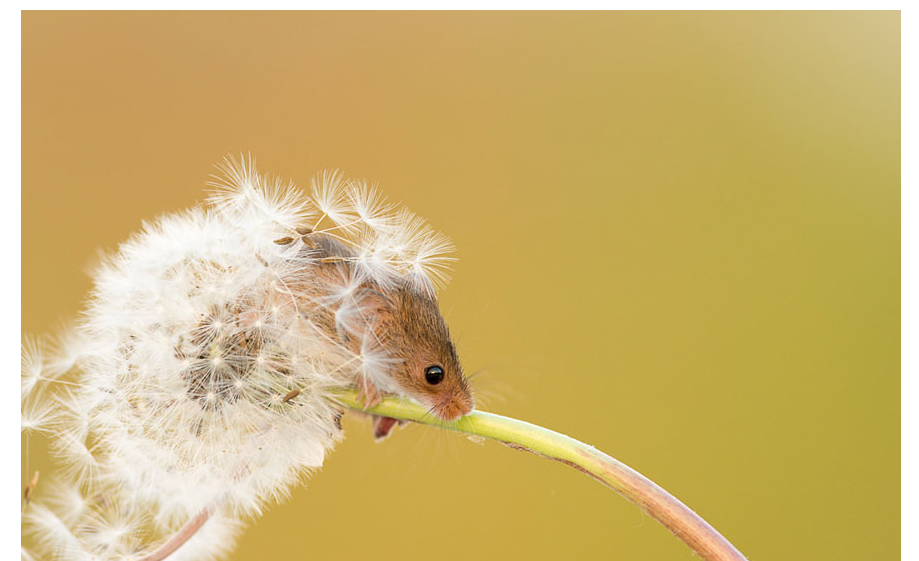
<point>11,235</point>
<point>467,5</point>
<point>11,213</point>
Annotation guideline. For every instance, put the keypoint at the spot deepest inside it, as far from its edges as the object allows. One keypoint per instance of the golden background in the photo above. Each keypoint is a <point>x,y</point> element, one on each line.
<point>678,241</point>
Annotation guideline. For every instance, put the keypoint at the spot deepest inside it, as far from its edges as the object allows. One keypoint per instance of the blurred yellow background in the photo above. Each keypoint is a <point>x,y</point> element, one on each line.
<point>678,241</point>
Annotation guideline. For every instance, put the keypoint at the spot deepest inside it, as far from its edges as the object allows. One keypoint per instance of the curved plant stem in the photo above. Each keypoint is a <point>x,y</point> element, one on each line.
<point>664,507</point>
<point>182,536</point>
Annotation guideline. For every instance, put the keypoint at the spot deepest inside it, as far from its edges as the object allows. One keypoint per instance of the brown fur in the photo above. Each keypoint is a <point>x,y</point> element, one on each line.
<point>405,321</point>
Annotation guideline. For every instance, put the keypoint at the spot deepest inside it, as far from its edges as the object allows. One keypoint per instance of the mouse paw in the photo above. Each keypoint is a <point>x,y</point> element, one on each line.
<point>368,394</point>
<point>383,426</point>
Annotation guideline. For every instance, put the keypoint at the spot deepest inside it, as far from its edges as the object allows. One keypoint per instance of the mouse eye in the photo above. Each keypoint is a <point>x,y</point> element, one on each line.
<point>434,374</point>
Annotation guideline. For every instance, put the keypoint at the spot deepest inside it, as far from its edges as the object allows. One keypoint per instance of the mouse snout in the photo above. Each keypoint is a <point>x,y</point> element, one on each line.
<point>454,407</point>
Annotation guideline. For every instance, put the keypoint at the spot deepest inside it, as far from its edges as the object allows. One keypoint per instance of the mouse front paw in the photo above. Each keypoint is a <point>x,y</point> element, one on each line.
<point>368,394</point>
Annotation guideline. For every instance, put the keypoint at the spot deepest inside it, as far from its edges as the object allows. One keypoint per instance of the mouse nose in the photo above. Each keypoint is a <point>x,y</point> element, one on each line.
<point>467,405</point>
<point>457,406</point>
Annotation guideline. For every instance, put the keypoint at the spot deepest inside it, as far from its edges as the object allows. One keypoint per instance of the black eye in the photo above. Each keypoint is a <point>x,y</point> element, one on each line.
<point>433,374</point>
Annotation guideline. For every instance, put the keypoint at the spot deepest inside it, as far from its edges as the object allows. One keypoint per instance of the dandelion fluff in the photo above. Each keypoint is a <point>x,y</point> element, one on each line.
<point>203,364</point>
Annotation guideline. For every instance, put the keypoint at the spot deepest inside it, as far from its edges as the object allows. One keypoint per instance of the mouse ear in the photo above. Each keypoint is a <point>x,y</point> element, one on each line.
<point>375,301</point>
<point>362,312</point>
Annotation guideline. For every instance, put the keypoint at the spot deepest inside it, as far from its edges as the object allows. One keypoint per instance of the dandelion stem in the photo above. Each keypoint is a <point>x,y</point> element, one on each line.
<point>685,524</point>
<point>182,536</point>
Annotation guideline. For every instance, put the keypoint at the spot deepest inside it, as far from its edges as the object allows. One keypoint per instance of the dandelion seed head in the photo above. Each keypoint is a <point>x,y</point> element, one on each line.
<point>197,329</point>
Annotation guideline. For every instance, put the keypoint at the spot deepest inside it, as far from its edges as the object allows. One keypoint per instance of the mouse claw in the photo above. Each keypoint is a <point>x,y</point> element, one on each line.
<point>369,395</point>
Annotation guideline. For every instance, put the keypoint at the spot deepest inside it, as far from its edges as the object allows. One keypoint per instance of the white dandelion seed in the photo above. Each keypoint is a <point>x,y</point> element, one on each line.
<point>38,414</point>
<point>33,365</point>
<point>370,206</point>
<point>68,501</point>
<point>331,197</point>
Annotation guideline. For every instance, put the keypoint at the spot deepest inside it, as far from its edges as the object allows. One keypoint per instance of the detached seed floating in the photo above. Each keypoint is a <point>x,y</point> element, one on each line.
<point>27,494</point>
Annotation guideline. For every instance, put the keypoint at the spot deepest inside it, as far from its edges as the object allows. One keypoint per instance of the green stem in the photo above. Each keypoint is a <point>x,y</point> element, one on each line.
<point>658,503</point>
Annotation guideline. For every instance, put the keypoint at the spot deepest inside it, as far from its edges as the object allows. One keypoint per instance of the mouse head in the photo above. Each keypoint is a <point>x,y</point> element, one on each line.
<point>428,368</point>
<point>398,322</point>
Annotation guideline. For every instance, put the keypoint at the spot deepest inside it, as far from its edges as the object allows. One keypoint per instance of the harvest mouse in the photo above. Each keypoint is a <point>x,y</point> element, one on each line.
<point>395,327</point>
